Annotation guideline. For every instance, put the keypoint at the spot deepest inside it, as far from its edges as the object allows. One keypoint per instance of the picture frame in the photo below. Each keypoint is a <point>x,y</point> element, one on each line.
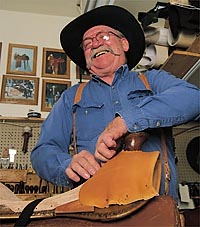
<point>56,63</point>
<point>22,59</point>
<point>51,92</point>
<point>82,74</point>
<point>19,90</point>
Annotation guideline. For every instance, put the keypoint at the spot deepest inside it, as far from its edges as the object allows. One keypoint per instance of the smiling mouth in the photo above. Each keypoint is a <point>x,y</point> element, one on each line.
<point>100,53</point>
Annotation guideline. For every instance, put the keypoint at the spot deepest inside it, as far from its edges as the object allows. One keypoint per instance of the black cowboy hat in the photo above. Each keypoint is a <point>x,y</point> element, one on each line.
<point>112,16</point>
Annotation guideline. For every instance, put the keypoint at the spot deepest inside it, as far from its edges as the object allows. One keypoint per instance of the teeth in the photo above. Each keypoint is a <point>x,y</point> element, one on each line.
<point>100,53</point>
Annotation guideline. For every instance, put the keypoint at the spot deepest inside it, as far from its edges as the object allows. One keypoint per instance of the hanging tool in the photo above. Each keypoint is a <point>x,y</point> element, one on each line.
<point>5,161</point>
<point>26,134</point>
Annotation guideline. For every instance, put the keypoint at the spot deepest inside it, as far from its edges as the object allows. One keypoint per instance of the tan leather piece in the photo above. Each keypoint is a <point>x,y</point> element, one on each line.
<point>128,177</point>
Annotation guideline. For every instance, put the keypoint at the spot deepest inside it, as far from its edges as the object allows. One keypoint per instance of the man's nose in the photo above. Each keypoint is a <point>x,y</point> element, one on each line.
<point>95,42</point>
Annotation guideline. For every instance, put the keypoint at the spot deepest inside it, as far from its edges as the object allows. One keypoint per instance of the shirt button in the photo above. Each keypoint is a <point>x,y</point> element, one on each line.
<point>116,102</point>
<point>158,123</point>
<point>135,126</point>
<point>86,112</point>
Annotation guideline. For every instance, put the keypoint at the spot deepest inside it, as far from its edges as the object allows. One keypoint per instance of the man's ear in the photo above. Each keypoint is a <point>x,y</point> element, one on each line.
<point>125,44</point>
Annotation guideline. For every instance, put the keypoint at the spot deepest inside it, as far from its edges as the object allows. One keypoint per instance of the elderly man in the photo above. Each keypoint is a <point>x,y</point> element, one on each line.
<point>108,42</point>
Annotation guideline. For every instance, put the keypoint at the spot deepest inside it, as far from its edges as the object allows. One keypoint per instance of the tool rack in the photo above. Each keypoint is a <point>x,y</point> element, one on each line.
<point>20,177</point>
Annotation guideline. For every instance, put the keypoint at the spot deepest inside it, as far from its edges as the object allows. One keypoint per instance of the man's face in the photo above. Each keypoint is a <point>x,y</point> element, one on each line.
<point>104,49</point>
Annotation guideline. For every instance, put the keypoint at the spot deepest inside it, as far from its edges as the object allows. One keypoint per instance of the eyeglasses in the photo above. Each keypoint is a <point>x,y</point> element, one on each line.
<point>100,37</point>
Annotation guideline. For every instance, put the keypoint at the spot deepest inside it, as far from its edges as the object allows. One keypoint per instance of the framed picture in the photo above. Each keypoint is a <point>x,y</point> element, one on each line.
<point>19,90</point>
<point>56,64</point>
<point>51,92</point>
<point>82,74</point>
<point>22,59</point>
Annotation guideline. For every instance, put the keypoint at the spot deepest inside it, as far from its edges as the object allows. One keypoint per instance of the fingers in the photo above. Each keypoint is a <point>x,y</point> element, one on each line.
<point>103,152</point>
<point>82,164</point>
<point>106,145</point>
<point>72,175</point>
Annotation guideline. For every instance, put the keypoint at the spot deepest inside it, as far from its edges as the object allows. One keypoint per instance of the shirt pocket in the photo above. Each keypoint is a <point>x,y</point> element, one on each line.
<point>137,96</point>
<point>90,120</point>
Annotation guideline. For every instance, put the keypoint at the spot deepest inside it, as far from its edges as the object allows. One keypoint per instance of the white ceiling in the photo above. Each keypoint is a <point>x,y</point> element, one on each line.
<point>69,8</point>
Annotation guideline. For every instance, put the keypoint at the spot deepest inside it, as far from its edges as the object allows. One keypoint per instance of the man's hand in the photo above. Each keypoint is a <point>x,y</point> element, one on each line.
<point>106,143</point>
<point>83,164</point>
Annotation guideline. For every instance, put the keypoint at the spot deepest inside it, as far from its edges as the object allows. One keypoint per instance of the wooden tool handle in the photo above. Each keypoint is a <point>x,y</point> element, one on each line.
<point>134,141</point>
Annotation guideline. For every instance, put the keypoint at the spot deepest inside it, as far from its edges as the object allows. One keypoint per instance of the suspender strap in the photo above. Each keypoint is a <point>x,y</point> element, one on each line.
<point>143,78</point>
<point>77,98</point>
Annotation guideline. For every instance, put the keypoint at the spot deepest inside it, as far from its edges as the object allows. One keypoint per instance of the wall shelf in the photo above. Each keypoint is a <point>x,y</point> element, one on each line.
<point>22,119</point>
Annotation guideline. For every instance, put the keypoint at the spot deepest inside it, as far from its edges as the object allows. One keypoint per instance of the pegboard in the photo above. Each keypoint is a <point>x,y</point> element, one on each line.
<point>183,135</point>
<point>11,137</point>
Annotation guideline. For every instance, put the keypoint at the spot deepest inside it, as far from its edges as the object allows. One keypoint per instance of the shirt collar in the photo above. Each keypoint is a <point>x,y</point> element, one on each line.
<point>120,73</point>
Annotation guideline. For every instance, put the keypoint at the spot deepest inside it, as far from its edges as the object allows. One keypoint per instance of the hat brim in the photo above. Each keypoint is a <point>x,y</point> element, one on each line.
<point>112,16</point>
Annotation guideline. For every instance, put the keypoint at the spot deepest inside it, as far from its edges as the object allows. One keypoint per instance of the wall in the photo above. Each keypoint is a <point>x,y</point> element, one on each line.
<point>30,29</point>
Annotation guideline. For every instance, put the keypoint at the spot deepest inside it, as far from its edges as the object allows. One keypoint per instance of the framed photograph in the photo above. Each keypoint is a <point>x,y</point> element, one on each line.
<point>82,74</point>
<point>56,64</point>
<point>19,90</point>
<point>51,92</point>
<point>22,59</point>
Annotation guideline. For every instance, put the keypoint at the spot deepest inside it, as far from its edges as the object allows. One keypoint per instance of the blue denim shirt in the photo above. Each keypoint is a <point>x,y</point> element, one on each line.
<point>171,102</point>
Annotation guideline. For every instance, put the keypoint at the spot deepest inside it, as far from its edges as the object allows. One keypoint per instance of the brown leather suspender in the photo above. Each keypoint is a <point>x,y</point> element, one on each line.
<point>79,91</point>
<point>77,98</point>
<point>143,78</point>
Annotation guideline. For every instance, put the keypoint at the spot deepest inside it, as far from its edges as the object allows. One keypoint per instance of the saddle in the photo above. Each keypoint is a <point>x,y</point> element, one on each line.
<point>127,183</point>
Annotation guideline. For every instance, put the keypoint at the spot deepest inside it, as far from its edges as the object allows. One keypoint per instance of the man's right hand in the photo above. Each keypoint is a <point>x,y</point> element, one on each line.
<point>83,165</point>
<point>106,145</point>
